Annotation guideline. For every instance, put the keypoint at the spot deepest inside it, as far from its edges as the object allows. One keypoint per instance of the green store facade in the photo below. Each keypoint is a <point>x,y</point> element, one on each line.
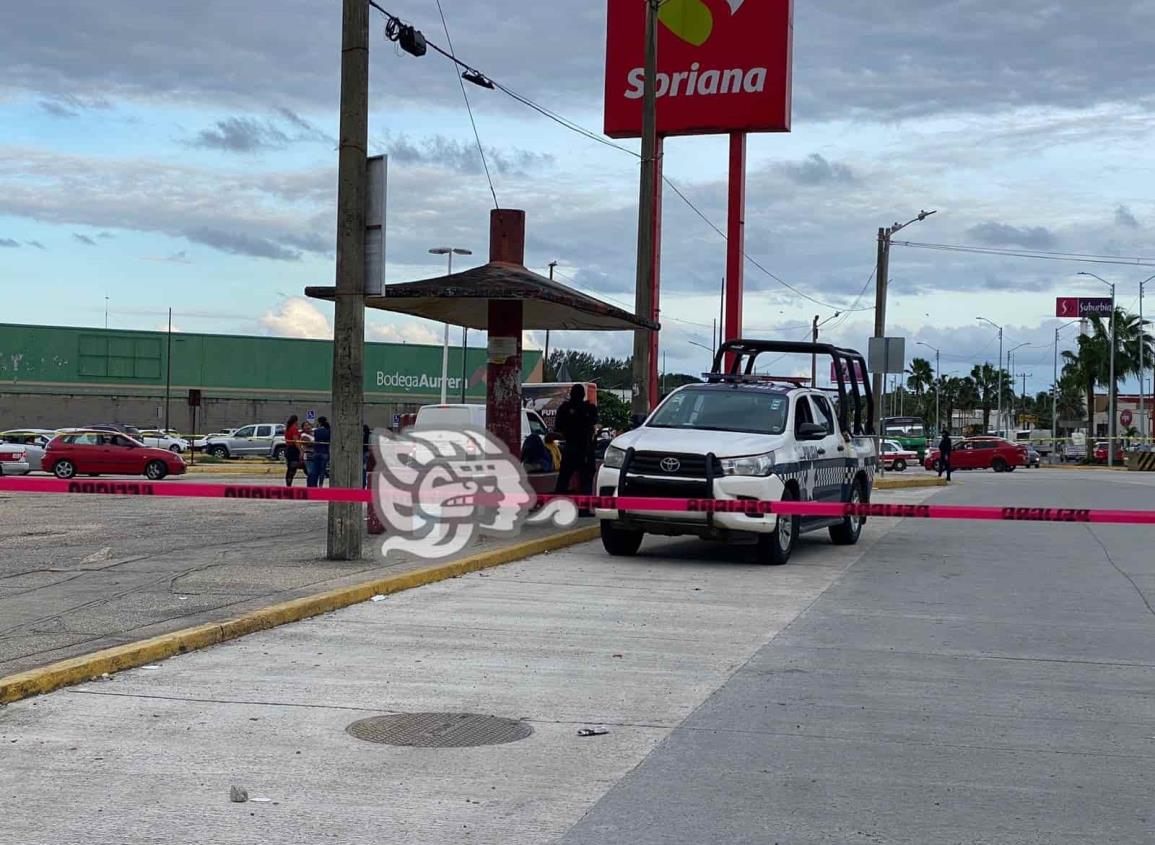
<point>51,377</point>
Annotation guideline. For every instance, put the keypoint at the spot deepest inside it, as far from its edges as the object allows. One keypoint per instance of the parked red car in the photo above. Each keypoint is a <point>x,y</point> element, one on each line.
<point>99,452</point>
<point>982,453</point>
<point>1100,453</point>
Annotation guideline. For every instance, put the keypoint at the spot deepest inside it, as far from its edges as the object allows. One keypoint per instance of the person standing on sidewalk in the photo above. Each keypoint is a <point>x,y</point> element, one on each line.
<point>319,462</point>
<point>576,420</point>
<point>292,449</point>
<point>944,449</point>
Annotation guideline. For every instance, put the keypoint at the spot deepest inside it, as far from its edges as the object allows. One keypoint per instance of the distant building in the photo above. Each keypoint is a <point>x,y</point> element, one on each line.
<point>1126,404</point>
<point>52,377</point>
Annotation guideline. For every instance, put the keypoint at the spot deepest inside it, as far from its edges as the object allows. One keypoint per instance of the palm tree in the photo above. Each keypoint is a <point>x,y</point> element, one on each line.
<point>987,382</point>
<point>1091,362</point>
<point>955,394</point>
<point>921,376</point>
<point>921,380</point>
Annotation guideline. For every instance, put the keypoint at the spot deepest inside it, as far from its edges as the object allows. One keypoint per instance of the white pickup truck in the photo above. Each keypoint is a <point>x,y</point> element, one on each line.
<point>743,437</point>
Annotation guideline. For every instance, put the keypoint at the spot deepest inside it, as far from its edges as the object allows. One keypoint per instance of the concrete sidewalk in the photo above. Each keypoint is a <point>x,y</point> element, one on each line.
<point>83,573</point>
<point>562,641</point>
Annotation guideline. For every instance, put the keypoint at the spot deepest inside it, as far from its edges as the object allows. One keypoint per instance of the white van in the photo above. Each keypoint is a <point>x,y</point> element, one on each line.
<point>456,416</point>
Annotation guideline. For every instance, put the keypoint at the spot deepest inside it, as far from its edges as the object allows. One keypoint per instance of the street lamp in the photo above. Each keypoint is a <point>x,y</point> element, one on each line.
<point>1000,392</point>
<point>937,380</point>
<point>449,252</point>
<point>1011,370</point>
<point>1144,421</point>
<point>1111,386</point>
<point>545,358</point>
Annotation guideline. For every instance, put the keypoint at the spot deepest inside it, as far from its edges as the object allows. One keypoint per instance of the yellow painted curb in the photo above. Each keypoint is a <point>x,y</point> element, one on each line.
<point>889,483</point>
<point>90,666</point>
<point>1084,467</point>
<point>237,469</point>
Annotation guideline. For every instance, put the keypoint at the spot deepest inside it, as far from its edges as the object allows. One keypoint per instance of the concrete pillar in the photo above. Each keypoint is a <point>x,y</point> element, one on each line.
<point>503,371</point>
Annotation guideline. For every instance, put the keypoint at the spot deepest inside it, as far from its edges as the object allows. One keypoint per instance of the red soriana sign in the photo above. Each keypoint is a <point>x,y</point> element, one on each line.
<point>723,66</point>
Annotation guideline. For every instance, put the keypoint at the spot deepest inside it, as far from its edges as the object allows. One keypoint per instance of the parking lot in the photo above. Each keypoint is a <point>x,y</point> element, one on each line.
<point>940,682</point>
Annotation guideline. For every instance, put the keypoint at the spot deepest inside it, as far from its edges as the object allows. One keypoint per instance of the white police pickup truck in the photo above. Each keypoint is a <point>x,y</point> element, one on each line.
<point>739,437</point>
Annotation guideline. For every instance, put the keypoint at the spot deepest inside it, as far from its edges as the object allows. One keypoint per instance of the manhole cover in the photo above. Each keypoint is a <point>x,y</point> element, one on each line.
<point>439,730</point>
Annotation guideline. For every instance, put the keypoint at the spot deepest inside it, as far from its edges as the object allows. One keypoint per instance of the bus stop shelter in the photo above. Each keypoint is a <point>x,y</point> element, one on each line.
<point>504,299</point>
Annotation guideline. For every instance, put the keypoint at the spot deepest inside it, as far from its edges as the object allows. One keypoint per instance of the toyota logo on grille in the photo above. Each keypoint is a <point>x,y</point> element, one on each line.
<point>670,464</point>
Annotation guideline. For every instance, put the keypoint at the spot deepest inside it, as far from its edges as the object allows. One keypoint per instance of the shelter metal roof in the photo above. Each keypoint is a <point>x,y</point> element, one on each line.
<point>461,300</point>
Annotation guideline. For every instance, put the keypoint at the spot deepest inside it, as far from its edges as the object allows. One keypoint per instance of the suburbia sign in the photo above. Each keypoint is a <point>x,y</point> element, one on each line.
<point>723,66</point>
<point>1082,307</point>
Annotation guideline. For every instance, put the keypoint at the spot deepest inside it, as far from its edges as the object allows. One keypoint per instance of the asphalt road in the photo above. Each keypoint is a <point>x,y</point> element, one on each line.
<point>81,573</point>
<point>965,683</point>
<point>942,682</point>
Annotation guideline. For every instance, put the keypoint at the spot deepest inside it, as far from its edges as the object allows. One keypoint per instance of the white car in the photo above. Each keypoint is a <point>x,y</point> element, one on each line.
<point>13,459</point>
<point>34,441</point>
<point>741,437</point>
<point>163,440</point>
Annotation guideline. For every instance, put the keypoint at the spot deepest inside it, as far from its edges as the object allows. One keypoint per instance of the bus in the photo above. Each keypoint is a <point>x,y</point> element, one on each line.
<point>910,432</point>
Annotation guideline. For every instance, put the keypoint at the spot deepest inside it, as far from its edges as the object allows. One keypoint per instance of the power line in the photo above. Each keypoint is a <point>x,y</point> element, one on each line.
<point>486,81</point>
<point>1085,258</point>
<point>469,109</point>
<point>745,254</point>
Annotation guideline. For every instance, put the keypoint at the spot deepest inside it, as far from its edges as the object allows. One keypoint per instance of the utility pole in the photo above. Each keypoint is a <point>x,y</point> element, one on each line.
<point>644,295</point>
<point>937,391</point>
<point>1144,420</point>
<point>882,278</point>
<point>168,375</point>
<point>1055,398</point>
<point>545,361</point>
<point>814,355</point>
<point>345,518</point>
<point>1024,395</point>
<point>880,281</point>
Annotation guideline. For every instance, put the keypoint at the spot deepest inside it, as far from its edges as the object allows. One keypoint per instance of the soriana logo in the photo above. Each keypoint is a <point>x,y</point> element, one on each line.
<point>723,66</point>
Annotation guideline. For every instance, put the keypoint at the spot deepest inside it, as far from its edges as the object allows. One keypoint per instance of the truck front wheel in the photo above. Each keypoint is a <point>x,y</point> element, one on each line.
<point>621,542</point>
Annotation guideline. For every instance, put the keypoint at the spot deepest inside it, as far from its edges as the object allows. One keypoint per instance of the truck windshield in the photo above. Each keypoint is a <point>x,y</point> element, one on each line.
<point>754,412</point>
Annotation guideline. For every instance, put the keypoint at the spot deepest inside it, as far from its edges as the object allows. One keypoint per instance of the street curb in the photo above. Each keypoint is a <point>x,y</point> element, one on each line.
<point>91,666</point>
<point>907,483</point>
<point>238,469</point>
<point>1083,467</point>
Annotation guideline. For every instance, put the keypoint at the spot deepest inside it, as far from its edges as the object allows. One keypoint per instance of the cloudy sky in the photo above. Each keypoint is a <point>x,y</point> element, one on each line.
<point>176,154</point>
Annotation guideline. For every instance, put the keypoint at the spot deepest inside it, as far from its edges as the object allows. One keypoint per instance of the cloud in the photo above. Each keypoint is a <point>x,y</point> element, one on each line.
<point>9,243</point>
<point>816,170</point>
<point>297,317</point>
<point>463,157</point>
<point>915,57</point>
<point>239,243</point>
<point>241,135</point>
<point>249,134</point>
<point>36,244</point>
<point>1002,234</point>
<point>279,215</point>
<point>1124,217</point>
<point>69,105</point>
<point>411,332</point>
<point>84,239</point>
<point>180,257</point>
